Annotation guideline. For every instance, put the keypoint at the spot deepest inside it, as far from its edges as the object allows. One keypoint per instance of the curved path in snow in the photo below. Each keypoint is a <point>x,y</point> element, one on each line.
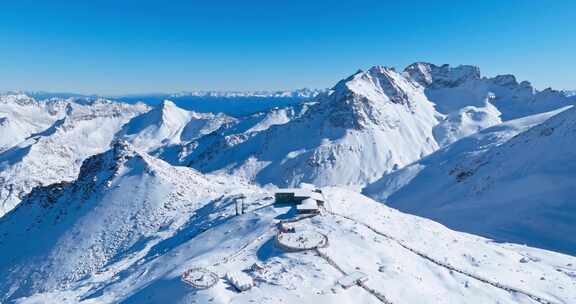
<point>446,265</point>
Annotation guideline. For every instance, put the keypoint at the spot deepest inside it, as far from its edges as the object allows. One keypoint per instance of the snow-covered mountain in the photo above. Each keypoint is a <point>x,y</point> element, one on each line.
<point>453,88</point>
<point>233,134</point>
<point>130,225</point>
<point>472,102</point>
<point>374,122</point>
<point>512,182</point>
<point>108,201</point>
<point>120,209</point>
<point>167,124</point>
<point>54,137</point>
<point>367,125</point>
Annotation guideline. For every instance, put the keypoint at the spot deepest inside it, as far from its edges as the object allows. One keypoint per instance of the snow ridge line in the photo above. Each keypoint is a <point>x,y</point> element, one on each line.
<point>382,298</point>
<point>448,266</point>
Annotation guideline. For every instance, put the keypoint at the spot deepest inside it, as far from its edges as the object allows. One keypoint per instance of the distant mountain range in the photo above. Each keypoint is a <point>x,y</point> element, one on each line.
<point>298,93</point>
<point>234,103</point>
<point>570,93</point>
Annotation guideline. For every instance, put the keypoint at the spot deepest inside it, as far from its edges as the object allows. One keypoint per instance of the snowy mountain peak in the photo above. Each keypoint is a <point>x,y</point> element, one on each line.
<point>381,69</point>
<point>360,99</point>
<point>370,123</point>
<point>96,171</point>
<point>169,113</point>
<point>355,99</point>
<point>427,74</point>
<point>167,103</point>
<point>165,115</point>
<point>94,177</point>
<point>167,124</point>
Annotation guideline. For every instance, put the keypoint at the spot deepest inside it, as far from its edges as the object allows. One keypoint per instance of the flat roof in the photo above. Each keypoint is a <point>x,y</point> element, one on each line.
<point>302,192</point>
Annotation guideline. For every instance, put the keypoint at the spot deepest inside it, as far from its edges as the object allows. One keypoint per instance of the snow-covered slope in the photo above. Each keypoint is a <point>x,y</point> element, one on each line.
<point>131,225</point>
<point>367,125</point>
<point>466,121</point>
<point>54,152</point>
<point>121,208</point>
<point>513,182</point>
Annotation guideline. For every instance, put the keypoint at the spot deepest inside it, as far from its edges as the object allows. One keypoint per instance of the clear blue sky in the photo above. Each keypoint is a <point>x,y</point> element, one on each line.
<point>124,46</point>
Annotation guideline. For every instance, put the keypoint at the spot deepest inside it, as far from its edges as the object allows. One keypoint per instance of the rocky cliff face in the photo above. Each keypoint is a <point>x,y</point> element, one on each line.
<point>452,87</point>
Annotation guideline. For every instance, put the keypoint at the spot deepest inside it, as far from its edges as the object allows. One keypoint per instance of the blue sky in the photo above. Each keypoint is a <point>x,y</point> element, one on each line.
<point>124,46</point>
